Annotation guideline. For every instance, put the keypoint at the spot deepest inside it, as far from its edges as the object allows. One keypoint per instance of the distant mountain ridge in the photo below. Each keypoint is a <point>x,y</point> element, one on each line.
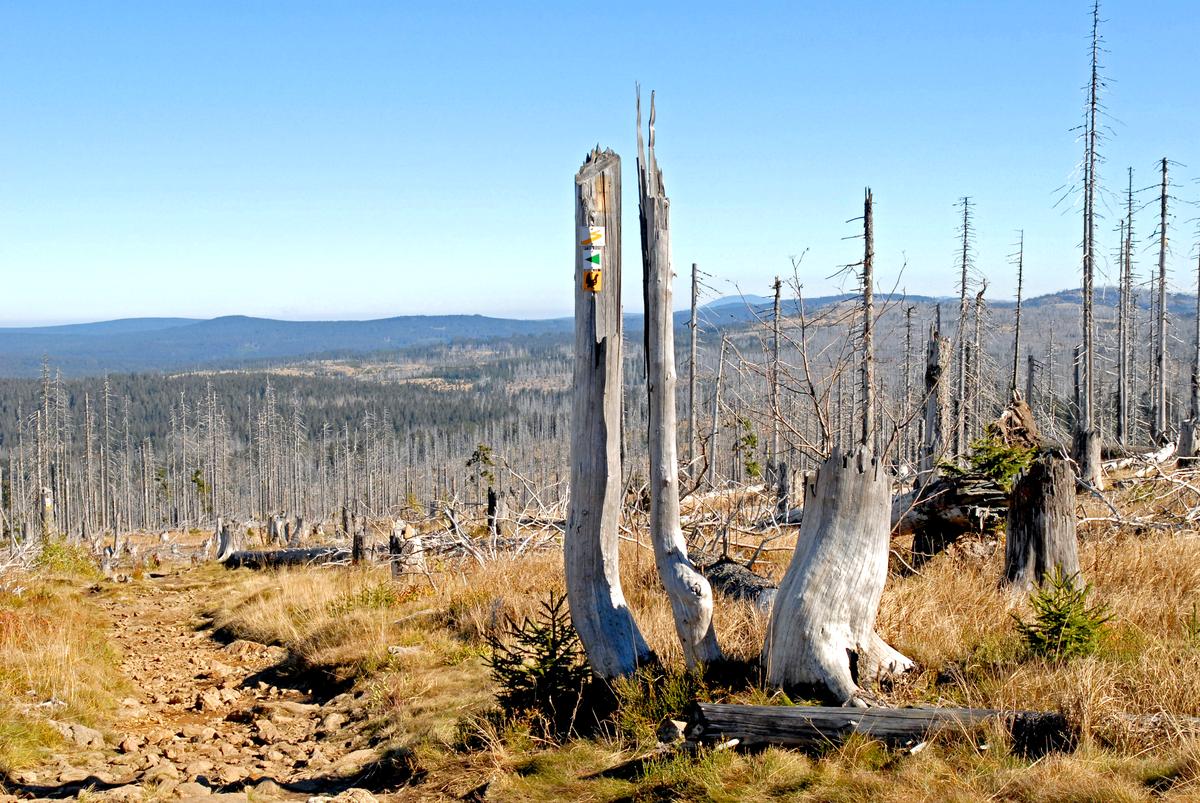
<point>161,344</point>
<point>133,345</point>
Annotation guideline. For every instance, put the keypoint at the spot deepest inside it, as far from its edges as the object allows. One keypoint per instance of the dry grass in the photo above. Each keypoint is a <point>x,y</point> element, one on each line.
<point>54,659</point>
<point>432,692</point>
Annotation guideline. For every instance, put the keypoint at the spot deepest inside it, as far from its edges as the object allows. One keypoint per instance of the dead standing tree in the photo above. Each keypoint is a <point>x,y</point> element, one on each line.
<point>822,628</point>
<point>1087,432</point>
<point>689,592</point>
<point>606,627</point>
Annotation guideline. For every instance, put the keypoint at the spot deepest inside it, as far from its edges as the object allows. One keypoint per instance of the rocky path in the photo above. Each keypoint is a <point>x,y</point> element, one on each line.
<point>205,719</point>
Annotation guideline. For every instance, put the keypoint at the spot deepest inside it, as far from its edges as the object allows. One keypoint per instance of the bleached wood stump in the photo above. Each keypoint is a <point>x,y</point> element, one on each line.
<point>822,629</point>
<point>1041,524</point>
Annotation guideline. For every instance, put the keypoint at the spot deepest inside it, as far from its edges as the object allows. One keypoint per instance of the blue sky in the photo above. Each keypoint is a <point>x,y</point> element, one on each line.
<point>359,159</point>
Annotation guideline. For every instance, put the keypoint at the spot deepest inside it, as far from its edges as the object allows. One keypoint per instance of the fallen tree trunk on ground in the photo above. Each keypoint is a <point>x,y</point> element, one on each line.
<point>734,580</point>
<point>274,558</point>
<point>1034,733</point>
<point>955,505</point>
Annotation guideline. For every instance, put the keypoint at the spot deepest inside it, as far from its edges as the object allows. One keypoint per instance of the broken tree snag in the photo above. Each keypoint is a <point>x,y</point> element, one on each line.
<point>358,546</point>
<point>822,628</point>
<point>937,410</point>
<point>689,592</point>
<point>1016,426</point>
<point>1085,449</point>
<point>606,627</point>
<point>1034,733</point>
<point>227,542</point>
<point>1041,524</point>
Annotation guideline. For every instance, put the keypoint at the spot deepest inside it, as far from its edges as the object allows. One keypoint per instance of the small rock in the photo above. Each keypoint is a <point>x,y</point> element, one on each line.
<point>130,744</point>
<point>161,773</point>
<point>209,700</point>
<point>266,731</point>
<point>72,775</point>
<point>268,788</point>
<point>332,722</point>
<point>192,789</point>
<point>230,774</point>
<point>197,768</point>
<point>356,759</point>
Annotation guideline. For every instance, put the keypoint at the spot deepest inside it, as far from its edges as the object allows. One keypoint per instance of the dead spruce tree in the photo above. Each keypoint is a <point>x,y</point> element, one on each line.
<point>822,629</point>
<point>606,627</point>
<point>1087,432</point>
<point>688,590</point>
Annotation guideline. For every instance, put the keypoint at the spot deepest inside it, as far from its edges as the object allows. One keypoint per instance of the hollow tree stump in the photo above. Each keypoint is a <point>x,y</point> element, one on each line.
<point>822,629</point>
<point>1041,524</point>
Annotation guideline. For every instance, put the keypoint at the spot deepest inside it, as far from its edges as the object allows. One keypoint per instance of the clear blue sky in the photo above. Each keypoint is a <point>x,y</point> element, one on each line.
<point>359,159</point>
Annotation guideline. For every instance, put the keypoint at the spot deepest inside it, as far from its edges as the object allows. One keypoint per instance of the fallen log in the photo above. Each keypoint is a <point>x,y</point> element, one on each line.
<point>956,505</point>
<point>734,580</point>
<point>1034,733</point>
<point>275,558</point>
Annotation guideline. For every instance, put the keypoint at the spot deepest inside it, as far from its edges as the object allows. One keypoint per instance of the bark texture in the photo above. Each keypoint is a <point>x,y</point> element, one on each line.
<point>687,589</point>
<point>1041,524</point>
<point>606,627</point>
<point>822,629</point>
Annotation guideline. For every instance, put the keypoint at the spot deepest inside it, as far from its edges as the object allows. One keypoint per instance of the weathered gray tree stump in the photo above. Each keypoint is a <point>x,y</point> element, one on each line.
<point>822,629</point>
<point>1041,524</point>
<point>358,546</point>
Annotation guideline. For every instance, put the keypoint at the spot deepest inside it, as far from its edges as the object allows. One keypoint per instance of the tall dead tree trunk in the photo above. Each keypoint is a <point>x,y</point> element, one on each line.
<point>1087,431</point>
<point>1016,360</point>
<point>1160,324</point>
<point>606,627</point>
<point>960,400</point>
<point>688,590</point>
<point>1188,432</point>
<point>822,628</point>
<point>773,460</point>
<point>693,413</point>
<point>1041,524</point>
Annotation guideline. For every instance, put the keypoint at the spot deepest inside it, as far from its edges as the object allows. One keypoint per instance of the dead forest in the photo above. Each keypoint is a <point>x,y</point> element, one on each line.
<point>698,533</point>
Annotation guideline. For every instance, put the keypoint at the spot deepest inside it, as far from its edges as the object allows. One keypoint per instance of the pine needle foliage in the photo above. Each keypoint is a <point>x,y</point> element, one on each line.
<point>1064,626</point>
<point>540,668</point>
<point>991,457</point>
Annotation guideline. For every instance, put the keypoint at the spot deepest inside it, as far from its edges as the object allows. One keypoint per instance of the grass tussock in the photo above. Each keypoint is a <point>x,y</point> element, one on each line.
<point>54,659</point>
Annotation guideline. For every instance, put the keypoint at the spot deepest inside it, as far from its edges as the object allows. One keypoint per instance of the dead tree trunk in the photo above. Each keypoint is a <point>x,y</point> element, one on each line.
<point>822,628</point>
<point>937,408</point>
<point>693,416</point>
<point>689,592</point>
<point>1041,524</point>
<point>1189,431</point>
<point>606,627</point>
<point>1160,331</point>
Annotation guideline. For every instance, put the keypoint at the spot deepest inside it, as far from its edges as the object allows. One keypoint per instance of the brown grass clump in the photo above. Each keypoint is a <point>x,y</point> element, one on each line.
<point>54,659</point>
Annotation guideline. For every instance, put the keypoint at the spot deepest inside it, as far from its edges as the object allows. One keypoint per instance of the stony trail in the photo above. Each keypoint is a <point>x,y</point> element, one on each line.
<point>205,718</point>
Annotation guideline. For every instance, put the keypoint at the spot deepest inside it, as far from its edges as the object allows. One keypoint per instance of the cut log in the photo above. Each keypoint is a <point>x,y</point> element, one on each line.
<point>1155,457</point>
<point>606,626</point>
<point>1041,524</point>
<point>822,629</point>
<point>687,589</point>
<point>276,558</point>
<point>1034,733</point>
